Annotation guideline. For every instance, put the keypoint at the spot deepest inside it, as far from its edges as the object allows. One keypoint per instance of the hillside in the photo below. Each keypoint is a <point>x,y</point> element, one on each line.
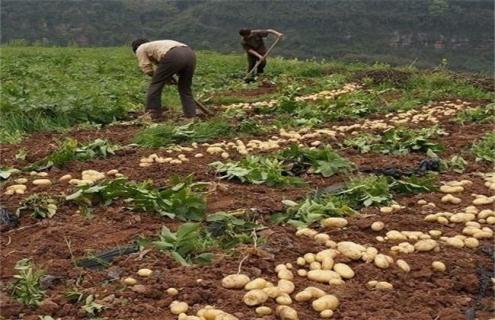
<point>332,189</point>
<point>420,32</point>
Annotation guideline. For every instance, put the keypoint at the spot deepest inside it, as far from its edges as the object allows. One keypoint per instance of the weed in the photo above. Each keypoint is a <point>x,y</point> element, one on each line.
<point>256,170</point>
<point>397,141</point>
<point>41,206</point>
<point>181,200</point>
<point>160,135</point>
<point>71,150</point>
<point>187,245</point>
<point>91,307</point>
<point>484,149</point>
<point>229,230</point>
<point>456,164</point>
<point>481,114</point>
<point>324,161</point>
<point>26,287</point>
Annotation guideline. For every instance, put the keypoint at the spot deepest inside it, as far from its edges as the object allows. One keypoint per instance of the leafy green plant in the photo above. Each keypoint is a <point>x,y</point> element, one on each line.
<point>159,135</point>
<point>26,287</point>
<point>181,200</point>
<point>480,114</point>
<point>456,164</point>
<point>40,205</point>
<point>397,141</point>
<point>365,191</point>
<point>91,307</point>
<point>324,161</point>
<point>484,148</point>
<point>414,184</point>
<point>256,170</point>
<point>187,245</point>
<point>6,173</point>
<point>70,150</point>
<point>229,230</point>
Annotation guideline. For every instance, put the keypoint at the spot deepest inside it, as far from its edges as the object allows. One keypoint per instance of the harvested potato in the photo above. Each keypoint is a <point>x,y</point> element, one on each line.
<point>286,286</point>
<point>286,313</point>
<point>377,226</point>
<point>66,177</point>
<point>178,307</point>
<point>303,296</point>
<point>184,316</point>
<point>145,272</point>
<point>21,181</point>
<point>351,250</point>
<point>425,245</point>
<point>343,270</point>
<point>455,242</point>
<point>283,299</point>
<point>301,261</point>
<point>310,257</point>
<point>285,274</point>
<point>381,261</point>
<point>438,266</point>
<point>372,283</point>
<point>235,281</point>
<point>327,263</point>
<point>326,302</point>
<point>263,311</point>
<point>334,222</point>
<point>307,232</point>
<point>273,292</point>
<point>383,285</point>
<point>42,182</point>
<point>130,281</point>
<point>322,275</point>
<point>315,265</point>
<point>258,283</point>
<point>403,265</point>
<point>450,199</point>
<point>325,314</point>
<point>172,292</point>
<point>471,242</point>
<point>302,273</point>
<point>386,209</point>
<point>255,297</point>
<point>451,189</point>
<point>327,253</point>
<point>321,238</point>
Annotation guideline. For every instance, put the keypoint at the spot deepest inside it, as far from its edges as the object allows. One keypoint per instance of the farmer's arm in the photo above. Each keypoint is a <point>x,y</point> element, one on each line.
<point>144,62</point>
<point>254,53</point>
<point>265,33</point>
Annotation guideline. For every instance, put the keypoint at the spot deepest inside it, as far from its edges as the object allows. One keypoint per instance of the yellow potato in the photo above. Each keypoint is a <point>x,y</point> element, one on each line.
<point>381,261</point>
<point>425,245</point>
<point>438,266</point>
<point>235,281</point>
<point>273,292</point>
<point>343,270</point>
<point>286,313</point>
<point>285,274</point>
<point>42,182</point>
<point>263,311</point>
<point>178,307</point>
<point>322,275</point>
<point>286,286</point>
<point>258,283</point>
<point>130,281</point>
<point>383,285</point>
<point>145,272</point>
<point>172,292</point>
<point>283,299</point>
<point>334,222</point>
<point>255,297</point>
<point>326,302</point>
<point>403,265</point>
<point>377,226</point>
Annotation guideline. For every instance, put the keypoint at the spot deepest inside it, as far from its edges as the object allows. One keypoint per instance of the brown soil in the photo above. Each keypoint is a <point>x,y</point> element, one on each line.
<point>54,243</point>
<point>263,88</point>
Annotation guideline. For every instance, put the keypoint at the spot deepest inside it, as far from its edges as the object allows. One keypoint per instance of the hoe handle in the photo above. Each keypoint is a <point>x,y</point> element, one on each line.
<point>264,57</point>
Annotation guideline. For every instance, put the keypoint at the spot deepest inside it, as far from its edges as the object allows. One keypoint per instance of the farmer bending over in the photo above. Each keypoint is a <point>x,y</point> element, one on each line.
<point>252,42</point>
<point>170,58</point>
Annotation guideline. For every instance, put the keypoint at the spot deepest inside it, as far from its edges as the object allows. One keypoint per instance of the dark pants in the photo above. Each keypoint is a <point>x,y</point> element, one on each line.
<point>179,61</point>
<point>252,59</point>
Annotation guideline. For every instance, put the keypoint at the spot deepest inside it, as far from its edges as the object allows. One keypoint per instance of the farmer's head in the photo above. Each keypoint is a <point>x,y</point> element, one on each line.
<point>136,43</point>
<point>245,32</point>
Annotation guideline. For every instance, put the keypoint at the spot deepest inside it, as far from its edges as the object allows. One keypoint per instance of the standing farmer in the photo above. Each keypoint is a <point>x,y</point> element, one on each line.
<point>170,58</point>
<point>252,41</point>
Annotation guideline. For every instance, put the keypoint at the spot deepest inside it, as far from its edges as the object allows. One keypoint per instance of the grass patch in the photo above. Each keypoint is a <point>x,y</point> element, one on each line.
<point>165,134</point>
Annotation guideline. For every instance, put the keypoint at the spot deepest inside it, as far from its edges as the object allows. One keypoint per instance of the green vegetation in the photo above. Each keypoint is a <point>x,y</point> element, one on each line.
<point>422,32</point>
<point>182,200</point>
<point>345,199</point>
<point>256,170</point>
<point>192,242</point>
<point>26,287</point>
<point>481,114</point>
<point>324,161</point>
<point>397,141</point>
<point>39,205</point>
<point>70,150</point>
<point>160,135</point>
<point>484,149</point>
